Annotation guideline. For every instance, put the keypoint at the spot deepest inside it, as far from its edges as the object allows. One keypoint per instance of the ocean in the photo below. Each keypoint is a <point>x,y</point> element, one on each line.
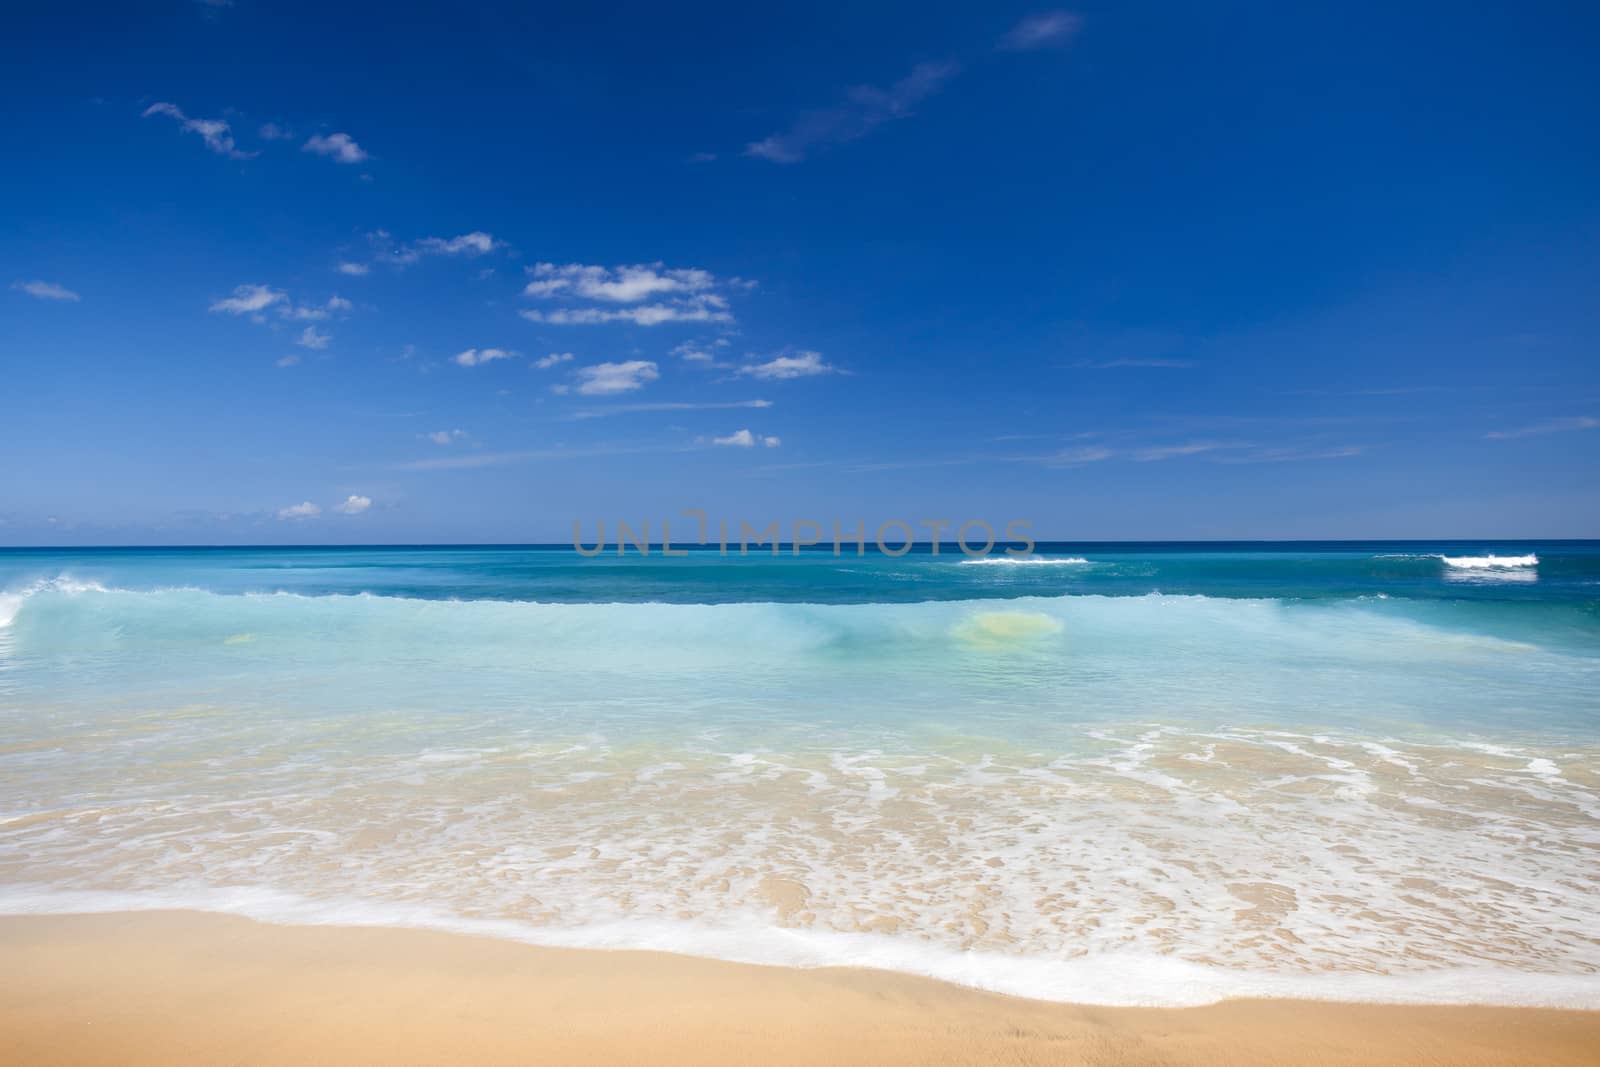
<point>1109,773</point>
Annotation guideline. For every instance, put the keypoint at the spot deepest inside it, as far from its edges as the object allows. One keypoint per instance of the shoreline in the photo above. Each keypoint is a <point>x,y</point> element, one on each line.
<point>152,987</point>
<point>1131,981</point>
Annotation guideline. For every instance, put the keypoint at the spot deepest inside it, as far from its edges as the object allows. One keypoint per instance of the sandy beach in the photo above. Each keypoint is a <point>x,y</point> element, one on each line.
<point>182,987</point>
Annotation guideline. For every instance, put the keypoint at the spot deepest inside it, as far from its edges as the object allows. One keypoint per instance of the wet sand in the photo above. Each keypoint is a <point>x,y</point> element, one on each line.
<point>181,987</point>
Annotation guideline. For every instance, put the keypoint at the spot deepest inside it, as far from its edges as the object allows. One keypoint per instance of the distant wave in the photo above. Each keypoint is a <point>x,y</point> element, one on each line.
<point>1478,563</point>
<point>1469,563</point>
<point>1019,560</point>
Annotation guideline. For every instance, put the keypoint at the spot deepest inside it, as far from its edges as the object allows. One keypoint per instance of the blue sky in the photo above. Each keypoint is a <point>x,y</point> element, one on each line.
<point>325,273</point>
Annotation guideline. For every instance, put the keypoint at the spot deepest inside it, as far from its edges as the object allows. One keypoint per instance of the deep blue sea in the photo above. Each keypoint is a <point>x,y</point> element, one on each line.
<point>1119,773</point>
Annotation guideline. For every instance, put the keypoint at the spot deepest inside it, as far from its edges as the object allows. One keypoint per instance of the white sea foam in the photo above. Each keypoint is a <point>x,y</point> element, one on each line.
<point>1490,562</point>
<point>1110,979</point>
<point>1117,871</point>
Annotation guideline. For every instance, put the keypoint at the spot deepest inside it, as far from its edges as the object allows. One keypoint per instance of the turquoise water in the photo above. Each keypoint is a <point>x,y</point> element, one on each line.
<point>1123,773</point>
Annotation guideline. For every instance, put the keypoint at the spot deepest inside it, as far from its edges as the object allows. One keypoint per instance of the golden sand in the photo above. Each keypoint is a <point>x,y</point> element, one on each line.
<point>179,987</point>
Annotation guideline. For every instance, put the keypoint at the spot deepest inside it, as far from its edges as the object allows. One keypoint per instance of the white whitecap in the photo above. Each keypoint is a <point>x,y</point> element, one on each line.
<point>1490,562</point>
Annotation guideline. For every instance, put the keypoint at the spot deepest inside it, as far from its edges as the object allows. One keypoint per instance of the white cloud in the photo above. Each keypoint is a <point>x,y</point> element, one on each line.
<point>444,437</point>
<point>475,243</point>
<point>271,131</point>
<point>746,439</point>
<point>310,338</point>
<point>249,299</point>
<point>801,365</point>
<point>356,269</point>
<point>339,146</point>
<point>546,362</point>
<point>46,291</point>
<point>288,361</point>
<point>677,405</point>
<point>1048,29</point>
<point>697,352</point>
<point>699,309</point>
<point>313,313</point>
<point>354,504</point>
<point>622,285</point>
<point>676,294</point>
<point>216,133</point>
<point>604,379</point>
<point>305,510</point>
<point>864,108</point>
<point>476,357</point>
<point>1580,422</point>
<point>472,244</point>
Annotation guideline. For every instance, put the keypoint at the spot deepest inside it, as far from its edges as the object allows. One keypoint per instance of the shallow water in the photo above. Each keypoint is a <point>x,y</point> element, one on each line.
<point>1118,774</point>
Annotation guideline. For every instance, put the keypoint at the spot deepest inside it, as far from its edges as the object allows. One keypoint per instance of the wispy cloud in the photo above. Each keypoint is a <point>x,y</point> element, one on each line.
<point>354,269</point>
<point>216,133</point>
<point>554,358</point>
<point>315,312</point>
<point>700,352</point>
<point>863,110</point>
<point>1578,422</point>
<point>1047,29</point>
<point>799,365</point>
<point>305,510</point>
<point>340,147</point>
<point>386,250</point>
<point>1189,448</point>
<point>746,439</point>
<point>255,301</point>
<point>1117,364</point>
<point>475,243</point>
<point>444,437</point>
<point>46,291</point>
<point>681,405</point>
<point>354,504</point>
<point>531,455</point>
<point>605,379</point>
<point>477,357</point>
<point>250,299</point>
<point>700,309</point>
<point>1231,452</point>
<point>1067,457</point>
<point>1292,454</point>
<point>623,285</point>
